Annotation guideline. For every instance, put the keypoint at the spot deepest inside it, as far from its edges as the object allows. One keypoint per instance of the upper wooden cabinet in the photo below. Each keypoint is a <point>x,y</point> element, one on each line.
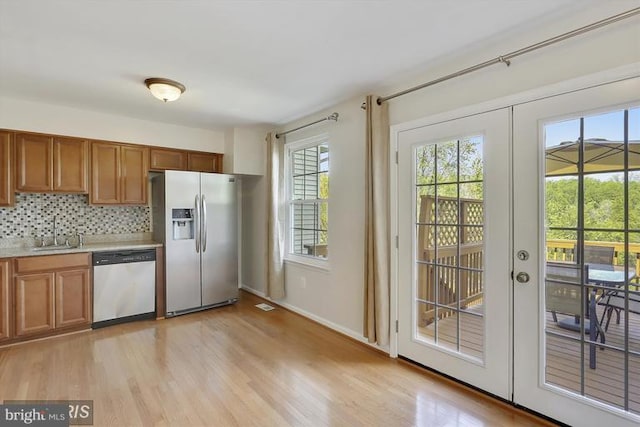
<point>204,162</point>
<point>70,165</point>
<point>6,169</point>
<point>119,174</point>
<point>134,173</point>
<point>46,163</point>
<point>166,158</point>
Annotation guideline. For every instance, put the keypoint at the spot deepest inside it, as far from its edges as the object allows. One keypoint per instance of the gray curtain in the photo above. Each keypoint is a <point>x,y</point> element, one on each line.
<point>275,217</point>
<point>376,281</point>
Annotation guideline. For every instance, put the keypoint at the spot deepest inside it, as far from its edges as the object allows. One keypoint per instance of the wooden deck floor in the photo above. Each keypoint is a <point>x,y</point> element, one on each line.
<point>605,382</point>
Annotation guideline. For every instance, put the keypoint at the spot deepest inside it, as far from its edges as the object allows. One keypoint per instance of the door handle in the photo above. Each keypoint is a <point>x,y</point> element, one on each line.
<point>197,223</point>
<point>522,277</point>
<point>204,224</point>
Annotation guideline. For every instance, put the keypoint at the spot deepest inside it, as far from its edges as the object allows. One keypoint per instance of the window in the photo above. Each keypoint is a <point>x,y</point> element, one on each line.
<point>308,198</point>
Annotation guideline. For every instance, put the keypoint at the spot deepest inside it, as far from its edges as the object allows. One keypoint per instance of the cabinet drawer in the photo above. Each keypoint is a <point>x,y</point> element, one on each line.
<point>51,262</point>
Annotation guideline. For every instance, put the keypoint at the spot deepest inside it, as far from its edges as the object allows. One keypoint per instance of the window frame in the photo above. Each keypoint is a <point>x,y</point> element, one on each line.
<point>289,148</point>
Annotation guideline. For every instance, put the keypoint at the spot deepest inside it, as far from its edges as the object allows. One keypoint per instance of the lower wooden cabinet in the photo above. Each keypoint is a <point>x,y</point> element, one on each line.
<point>34,304</point>
<point>52,293</point>
<point>5,306</point>
<point>73,299</point>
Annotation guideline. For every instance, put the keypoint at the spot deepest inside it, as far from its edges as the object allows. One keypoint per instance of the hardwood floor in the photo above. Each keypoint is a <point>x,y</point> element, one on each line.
<point>240,366</point>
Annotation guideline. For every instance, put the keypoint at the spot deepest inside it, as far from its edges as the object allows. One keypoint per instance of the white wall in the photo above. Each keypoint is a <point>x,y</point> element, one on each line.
<point>245,150</point>
<point>336,297</point>
<point>39,117</point>
<point>254,237</point>
<point>602,49</point>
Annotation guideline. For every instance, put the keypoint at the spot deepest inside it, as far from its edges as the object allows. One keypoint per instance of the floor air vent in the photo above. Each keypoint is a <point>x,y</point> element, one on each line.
<point>265,307</point>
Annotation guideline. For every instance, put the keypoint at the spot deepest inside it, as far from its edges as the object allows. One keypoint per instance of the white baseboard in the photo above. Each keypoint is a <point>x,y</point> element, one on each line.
<point>253,291</point>
<point>334,326</point>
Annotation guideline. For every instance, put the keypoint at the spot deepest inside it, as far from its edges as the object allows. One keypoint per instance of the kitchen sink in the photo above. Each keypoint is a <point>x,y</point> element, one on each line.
<point>53,248</point>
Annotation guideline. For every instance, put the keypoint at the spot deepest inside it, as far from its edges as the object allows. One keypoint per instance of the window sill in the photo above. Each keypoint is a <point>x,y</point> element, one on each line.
<point>308,262</point>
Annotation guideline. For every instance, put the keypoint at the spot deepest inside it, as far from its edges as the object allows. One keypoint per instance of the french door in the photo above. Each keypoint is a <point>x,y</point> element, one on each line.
<point>518,257</point>
<point>453,253</point>
<point>576,180</point>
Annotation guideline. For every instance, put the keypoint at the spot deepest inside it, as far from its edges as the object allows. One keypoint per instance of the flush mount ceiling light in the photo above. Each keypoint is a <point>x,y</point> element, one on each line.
<point>164,89</point>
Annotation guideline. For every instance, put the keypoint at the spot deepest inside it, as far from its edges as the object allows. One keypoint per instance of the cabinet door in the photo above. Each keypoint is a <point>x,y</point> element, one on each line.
<point>5,276</point>
<point>6,169</point>
<point>70,165</point>
<point>162,159</point>
<point>205,162</point>
<point>135,168</point>
<point>34,304</point>
<point>73,298</point>
<point>105,173</point>
<point>34,162</point>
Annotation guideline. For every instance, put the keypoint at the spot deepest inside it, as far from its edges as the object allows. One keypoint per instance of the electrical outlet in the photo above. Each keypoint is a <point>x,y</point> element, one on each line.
<point>303,282</point>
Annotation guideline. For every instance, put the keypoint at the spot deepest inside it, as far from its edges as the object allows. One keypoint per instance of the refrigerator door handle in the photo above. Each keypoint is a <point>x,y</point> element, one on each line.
<point>204,224</point>
<point>197,223</point>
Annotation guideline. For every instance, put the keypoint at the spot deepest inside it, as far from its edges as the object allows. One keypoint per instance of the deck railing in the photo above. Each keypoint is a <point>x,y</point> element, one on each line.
<point>438,249</point>
<point>564,250</point>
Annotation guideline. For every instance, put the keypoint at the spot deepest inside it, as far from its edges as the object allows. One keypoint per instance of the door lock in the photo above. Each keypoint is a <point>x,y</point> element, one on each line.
<point>523,255</point>
<point>522,277</point>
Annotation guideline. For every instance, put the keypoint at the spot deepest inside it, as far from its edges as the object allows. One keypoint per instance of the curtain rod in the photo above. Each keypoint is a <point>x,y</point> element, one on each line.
<point>506,59</point>
<point>332,116</point>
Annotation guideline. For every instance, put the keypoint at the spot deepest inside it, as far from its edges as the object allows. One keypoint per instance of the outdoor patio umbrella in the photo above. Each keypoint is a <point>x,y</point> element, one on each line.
<point>600,155</point>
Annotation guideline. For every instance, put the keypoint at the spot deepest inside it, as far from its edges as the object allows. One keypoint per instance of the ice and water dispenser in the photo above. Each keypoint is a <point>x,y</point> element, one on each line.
<point>183,224</point>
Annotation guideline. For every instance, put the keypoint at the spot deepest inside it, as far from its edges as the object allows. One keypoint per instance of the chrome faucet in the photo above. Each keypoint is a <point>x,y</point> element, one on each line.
<point>55,232</point>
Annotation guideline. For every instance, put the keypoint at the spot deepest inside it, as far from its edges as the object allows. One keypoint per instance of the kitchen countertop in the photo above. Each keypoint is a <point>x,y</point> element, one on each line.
<point>88,247</point>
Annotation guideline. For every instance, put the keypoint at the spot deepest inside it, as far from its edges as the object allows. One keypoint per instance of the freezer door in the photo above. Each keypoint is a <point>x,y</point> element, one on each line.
<point>219,238</point>
<point>182,260</point>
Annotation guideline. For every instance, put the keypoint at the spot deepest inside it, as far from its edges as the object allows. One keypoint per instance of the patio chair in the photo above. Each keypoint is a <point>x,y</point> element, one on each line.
<point>563,295</point>
<point>597,254</point>
<point>614,301</point>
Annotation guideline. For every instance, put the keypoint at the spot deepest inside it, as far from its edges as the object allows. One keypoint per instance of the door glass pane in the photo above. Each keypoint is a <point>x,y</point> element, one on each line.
<point>447,158</point>
<point>561,193</point>
<point>564,362</point>
<point>425,325</point>
<point>609,387</point>
<point>634,199</point>
<point>447,336</point>
<point>561,147</point>
<point>449,245</point>
<point>592,325</point>
<point>471,334</point>
<point>471,159</point>
<point>604,200</point>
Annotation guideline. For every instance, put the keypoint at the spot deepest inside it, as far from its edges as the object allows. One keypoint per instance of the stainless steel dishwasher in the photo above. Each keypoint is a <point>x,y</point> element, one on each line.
<point>124,284</point>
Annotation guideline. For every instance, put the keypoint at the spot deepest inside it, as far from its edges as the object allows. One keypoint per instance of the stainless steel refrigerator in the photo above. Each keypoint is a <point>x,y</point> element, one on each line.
<point>195,216</point>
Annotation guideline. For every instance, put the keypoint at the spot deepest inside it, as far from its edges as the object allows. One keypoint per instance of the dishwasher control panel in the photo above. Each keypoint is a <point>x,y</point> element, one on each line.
<point>123,257</point>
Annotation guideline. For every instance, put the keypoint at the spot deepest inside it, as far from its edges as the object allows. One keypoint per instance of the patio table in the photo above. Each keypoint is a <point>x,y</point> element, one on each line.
<point>601,274</point>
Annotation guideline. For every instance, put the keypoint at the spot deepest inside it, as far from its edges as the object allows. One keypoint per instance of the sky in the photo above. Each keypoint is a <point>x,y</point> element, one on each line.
<point>608,125</point>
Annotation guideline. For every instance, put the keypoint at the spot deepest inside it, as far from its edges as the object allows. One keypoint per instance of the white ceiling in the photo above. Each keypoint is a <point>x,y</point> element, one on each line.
<point>243,62</point>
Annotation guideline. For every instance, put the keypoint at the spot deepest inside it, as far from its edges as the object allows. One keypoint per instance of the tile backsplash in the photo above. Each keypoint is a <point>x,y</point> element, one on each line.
<point>32,216</point>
